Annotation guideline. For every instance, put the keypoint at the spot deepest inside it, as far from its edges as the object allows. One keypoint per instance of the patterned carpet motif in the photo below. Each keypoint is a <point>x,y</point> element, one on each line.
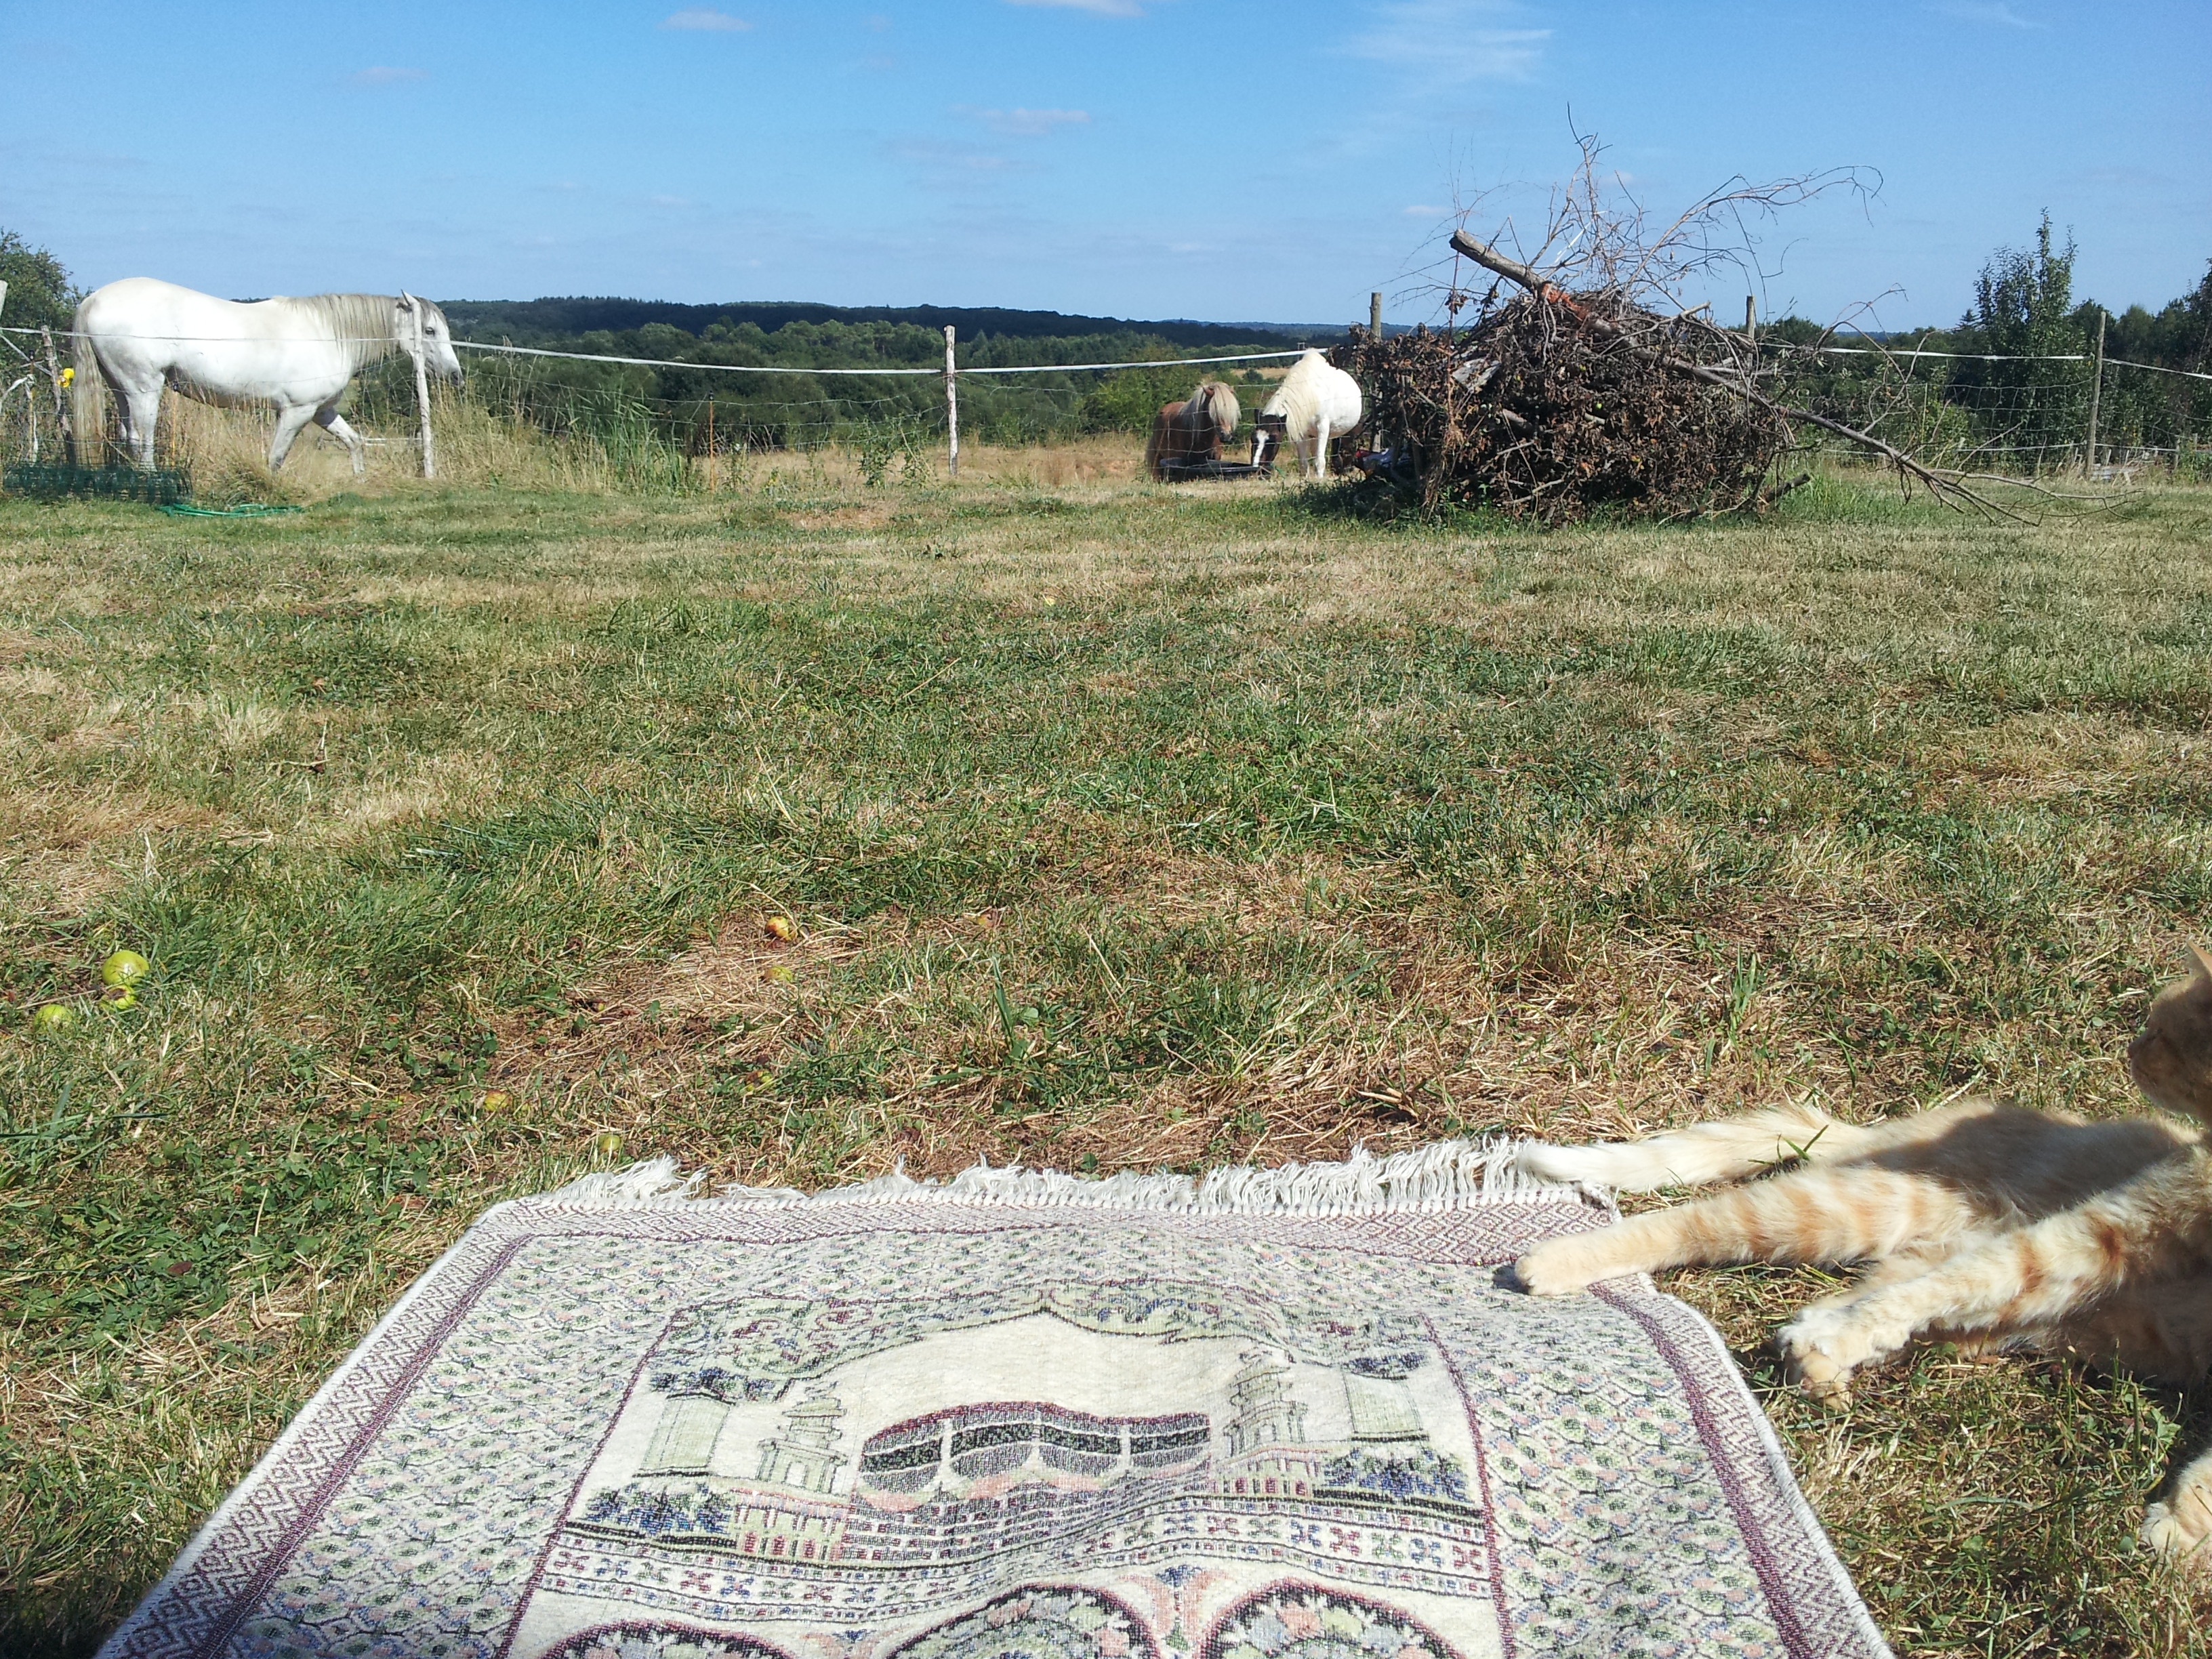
<point>1022,1420</point>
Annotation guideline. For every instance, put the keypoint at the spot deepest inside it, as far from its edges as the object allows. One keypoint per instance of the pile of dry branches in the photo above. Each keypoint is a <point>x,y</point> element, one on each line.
<point>1554,406</point>
<point>1581,384</point>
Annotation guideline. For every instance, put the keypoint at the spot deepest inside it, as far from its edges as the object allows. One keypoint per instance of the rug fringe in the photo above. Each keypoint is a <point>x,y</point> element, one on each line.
<point>1448,1176</point>
<point>655,1179</point>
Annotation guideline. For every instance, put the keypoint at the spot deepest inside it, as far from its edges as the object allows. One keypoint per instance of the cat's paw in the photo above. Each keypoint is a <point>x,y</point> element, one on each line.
<point>2180,1529</point>
<point>1822,1354</point>
<point>1559,1267</point>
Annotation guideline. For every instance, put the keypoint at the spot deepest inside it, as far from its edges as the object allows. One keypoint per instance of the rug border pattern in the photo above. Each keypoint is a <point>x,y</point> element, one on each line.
<point>219,1575</point>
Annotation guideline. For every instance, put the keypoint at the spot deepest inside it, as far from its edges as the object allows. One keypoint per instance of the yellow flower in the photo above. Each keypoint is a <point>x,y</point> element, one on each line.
<point>68,375</point>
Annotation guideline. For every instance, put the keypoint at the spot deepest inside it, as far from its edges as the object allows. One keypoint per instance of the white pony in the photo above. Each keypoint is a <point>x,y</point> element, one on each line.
<point>138,335</point>
<point>1316,402</point>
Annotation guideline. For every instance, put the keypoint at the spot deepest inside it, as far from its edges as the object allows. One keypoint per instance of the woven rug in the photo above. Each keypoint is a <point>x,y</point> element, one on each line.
<point>1283,1414</point>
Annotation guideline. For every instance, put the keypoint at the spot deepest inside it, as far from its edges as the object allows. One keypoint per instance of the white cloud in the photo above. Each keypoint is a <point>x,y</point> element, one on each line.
<point>1101,8</point>
<point>1027,123</point>
<point>1989,11</point>
<point>1443,43</point>
<point>383,75</point>
<point>943,158</point>
<point>705,19</point>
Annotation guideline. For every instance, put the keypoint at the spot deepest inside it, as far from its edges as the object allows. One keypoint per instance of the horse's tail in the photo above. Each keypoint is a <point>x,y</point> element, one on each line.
<point>88,395</point>
<point>1156,440</point>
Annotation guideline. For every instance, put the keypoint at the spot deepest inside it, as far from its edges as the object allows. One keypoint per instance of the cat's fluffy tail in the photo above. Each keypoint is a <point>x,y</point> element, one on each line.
<point>1727,1151</point>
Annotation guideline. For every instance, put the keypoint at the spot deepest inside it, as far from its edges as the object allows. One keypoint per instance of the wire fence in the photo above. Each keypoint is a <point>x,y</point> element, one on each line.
<point>649,422</point>
<point>645,419</point>
<point>2020,417</point>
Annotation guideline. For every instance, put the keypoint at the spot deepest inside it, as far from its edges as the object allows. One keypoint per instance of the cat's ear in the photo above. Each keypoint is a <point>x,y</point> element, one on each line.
<point>2202,962</point>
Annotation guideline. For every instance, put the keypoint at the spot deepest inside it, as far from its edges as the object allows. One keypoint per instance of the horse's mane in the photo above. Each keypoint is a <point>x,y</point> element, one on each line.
<point>1295,396</point>
<point>1298,398</point>
<point>1216,404</point>
<point>363,323</point>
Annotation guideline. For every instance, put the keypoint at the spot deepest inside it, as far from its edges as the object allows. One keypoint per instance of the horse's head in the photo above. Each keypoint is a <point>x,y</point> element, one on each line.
<point>437,334</point>
<point>1269,431</point>
<point>1222,402</point>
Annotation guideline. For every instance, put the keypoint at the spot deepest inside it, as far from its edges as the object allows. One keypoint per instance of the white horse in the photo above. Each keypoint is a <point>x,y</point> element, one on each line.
<point>139,334</point>
<point>1316,402</point>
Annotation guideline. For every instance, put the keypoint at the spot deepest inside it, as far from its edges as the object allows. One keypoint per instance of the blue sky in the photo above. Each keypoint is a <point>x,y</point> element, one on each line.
<point>1224,159</point>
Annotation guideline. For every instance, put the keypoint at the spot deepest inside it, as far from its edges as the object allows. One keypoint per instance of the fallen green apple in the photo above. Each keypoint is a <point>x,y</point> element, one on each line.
<point>54,1017</point>
<point>124,968</point>
<point>607,1143</point>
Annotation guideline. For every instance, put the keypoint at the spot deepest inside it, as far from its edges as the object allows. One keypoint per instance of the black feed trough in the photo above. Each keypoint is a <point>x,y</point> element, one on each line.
<point>1182,471</point>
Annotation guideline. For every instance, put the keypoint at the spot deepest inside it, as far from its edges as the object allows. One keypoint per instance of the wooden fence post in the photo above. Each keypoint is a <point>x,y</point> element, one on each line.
<point>952,409</point>
<point>2096,392</point>
<point>62,422</point>
<point>1374,317</point>
<point>422,389</point>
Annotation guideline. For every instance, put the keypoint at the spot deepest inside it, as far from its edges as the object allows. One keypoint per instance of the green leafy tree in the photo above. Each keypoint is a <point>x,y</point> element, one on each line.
<point>40,292</point>
<point>2028,407</point>
<point>2194,343</point>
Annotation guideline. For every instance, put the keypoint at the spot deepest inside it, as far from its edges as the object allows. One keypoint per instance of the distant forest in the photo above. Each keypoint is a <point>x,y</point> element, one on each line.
<point>541,322</point>
<point>684,397</point>
<point>2028,410</point>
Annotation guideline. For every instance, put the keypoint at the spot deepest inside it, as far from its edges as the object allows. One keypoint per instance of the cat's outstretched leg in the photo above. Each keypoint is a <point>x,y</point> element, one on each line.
<point>1849,1214</point>
<point>2179,1527</point>
<point>2026,1278</point>
<point>1727,1151</point>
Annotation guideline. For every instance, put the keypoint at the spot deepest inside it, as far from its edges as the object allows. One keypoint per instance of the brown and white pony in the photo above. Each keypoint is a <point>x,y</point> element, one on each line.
<point>1193,430</point>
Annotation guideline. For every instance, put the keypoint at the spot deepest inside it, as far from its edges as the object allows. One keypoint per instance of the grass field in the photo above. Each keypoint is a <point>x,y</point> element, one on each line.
<point>1119,827</point>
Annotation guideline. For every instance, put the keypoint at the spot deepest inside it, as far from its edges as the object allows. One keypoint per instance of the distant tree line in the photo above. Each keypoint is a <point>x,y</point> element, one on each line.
<point>2023,311</point>
<point>688,399</point>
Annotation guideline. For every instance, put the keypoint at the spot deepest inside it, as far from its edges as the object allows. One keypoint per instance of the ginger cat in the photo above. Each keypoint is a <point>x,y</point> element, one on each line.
<point>1983,1223</point>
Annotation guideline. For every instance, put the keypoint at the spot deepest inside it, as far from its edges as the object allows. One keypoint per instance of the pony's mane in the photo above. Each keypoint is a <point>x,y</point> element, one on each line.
<point>1220,405</point>
<point>1313,384</point>
<point>1294,395</point>
<point>363,323</point>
